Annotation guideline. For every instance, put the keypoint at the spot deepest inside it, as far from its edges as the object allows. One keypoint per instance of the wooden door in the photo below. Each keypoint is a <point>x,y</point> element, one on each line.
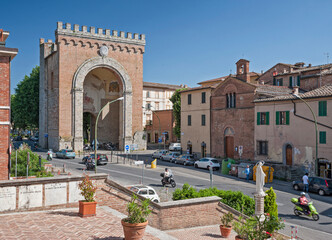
<point>289,155</point>
<point>229,141</point>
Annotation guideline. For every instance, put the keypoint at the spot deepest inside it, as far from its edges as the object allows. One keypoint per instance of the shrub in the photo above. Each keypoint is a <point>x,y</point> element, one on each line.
<point>137,213</point>
<point>34,168</point>
<point>270,203</point>
<point>234,199</point>
<point>227,219</point>
<point>87,189</point>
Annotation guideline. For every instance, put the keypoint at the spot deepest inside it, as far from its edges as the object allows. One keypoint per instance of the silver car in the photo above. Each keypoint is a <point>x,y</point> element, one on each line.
<point>159,154</point>
<point>185,159</point>
<point>207,163</point>
<point>170,156</point>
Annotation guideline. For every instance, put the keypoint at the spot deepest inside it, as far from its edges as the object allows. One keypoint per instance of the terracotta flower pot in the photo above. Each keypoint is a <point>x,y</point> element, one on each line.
<point>238,238</point>
<point>87,209</point>
<point>225,231</point>
<point>133,231</point>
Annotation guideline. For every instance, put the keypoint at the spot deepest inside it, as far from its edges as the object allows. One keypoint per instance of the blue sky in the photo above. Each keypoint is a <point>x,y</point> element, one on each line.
<point>187,41</point>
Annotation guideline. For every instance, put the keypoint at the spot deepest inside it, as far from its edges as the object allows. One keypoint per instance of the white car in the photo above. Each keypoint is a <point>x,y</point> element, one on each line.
<point>145,191</point>
<point>159,154</point>
<point>207,163</point>
<point>170,156</point>
<point>175,147</point>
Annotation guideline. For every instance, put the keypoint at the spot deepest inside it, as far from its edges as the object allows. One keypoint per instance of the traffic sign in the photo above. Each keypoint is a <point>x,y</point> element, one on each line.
<point>160,140</point>
<point>165,133</point>
<point>127,148</point>
<point>139,162</point>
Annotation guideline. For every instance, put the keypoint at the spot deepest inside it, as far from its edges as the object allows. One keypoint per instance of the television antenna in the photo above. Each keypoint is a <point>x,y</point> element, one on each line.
<point>327,57</point>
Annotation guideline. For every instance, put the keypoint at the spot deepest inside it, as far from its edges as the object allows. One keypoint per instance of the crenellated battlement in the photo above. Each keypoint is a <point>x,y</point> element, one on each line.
<point>101,34</point>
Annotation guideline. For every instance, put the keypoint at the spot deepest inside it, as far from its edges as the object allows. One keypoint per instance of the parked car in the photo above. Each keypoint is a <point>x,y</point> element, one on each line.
<point>18,138</point>
<point>207,163</point>
<point>145,191</point>
<point>34,138</point>
<point>65,153</point>
<point>102,159</point>
<point>322,186</point>
<point>159,153</point>
<point>170,156</point>
<point>175,147</point>
<point>185,159</point>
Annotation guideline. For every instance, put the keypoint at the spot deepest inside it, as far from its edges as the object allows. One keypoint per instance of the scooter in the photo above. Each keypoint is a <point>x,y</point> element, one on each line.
<point>170,181</point>
<point>299,210</point>
<point>90,164</point>
<point>49,156</point>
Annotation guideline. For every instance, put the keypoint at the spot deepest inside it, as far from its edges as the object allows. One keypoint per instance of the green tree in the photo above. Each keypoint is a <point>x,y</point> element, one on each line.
<point>176,100</point>
<point>270,203</point>
<point>25,102</point>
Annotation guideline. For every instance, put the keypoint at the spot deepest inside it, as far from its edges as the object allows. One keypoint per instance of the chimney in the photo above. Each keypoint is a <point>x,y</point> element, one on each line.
<point>309,65</point>
<point>3,37</point>
<point>242,70</point>
<point>296,90</point>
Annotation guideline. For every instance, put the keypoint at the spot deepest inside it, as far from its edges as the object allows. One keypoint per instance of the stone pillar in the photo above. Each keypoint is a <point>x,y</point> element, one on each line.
<point>127,123</point>
<point>259,206</point>
<point>77,122</point>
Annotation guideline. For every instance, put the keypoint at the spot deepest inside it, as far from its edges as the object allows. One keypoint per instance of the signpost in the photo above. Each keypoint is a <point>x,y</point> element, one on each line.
<point>127,148</point>
<point>164,133</point>
<point>240,151</point>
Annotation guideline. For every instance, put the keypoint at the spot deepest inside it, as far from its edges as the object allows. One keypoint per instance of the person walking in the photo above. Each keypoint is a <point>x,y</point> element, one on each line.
<point>305,180</point>
<point>247,172</point>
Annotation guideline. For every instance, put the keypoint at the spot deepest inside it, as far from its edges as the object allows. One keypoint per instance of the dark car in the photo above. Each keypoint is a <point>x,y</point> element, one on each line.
<point>102,159</point>
<point>322,186</point>
<point>185,159</point>
<point>18,138</point>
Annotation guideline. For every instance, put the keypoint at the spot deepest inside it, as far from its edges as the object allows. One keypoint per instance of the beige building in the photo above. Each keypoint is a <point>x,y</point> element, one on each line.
<point>156,97</point>
<point>285,128</point>
<point>195,120</point>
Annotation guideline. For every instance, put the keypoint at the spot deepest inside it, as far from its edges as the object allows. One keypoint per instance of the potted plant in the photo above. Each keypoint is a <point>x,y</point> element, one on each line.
<point>226,225</point>
<point>87,207</point>
<point>134,225</point>
<point>241,229</point>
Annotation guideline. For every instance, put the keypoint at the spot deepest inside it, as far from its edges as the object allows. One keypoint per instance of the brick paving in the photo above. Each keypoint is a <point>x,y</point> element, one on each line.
<point>62,224</point>
<point>200,233</point>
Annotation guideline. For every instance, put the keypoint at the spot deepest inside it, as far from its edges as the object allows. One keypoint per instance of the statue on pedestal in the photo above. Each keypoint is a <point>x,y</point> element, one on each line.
<point>260,194</point>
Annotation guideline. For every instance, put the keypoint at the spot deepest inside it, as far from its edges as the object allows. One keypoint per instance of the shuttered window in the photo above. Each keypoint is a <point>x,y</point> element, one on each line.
<point>263,118</point>
<point>189,99</point>
<point>282,118</point>
<point>203,97</point>
<point>290,81</point>
<point>189,120</point>
<point>298,80</point>
<point>322,108</point>
<point>203,120</point>
<point>322,137</point>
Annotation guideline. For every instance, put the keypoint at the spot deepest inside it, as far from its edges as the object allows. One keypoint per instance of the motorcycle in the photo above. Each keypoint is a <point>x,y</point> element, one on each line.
<point>170,180</point>
<point>90,164</point>
<point>299,210</point>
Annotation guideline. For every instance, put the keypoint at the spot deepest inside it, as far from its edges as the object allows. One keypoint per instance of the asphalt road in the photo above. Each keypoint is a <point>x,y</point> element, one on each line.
<point>121,171</point>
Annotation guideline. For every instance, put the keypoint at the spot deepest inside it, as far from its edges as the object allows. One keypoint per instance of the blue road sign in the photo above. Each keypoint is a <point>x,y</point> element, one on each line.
<point>160,140</point>
<point>127,147</point>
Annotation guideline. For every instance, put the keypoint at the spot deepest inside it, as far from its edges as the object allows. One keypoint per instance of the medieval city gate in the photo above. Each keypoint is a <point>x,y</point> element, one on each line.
<point>81,72</point>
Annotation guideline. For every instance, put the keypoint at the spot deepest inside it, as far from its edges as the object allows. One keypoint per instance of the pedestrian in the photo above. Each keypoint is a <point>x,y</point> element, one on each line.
<point>247,172</point>
<point>305,180</point>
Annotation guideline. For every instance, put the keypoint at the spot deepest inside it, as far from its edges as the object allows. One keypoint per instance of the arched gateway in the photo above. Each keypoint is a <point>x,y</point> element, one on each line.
<point>81,72</point>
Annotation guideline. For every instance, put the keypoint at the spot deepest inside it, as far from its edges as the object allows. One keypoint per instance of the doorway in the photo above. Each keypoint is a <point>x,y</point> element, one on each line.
<point>289,155</point>
<point>229,146</point>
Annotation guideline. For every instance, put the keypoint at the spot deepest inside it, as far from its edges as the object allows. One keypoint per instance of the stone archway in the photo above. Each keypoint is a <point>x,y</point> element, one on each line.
<point>77,99</point>
<point>229,142</point>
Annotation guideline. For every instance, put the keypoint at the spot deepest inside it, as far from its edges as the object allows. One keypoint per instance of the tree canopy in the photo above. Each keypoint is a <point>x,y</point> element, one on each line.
<point>25,102</point>
<point>176,100</point>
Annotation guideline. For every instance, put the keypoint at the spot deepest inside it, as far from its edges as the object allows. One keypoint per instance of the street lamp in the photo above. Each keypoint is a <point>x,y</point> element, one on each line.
<point>314,116</point>
<point>159,135</point>
<point>95,145</point>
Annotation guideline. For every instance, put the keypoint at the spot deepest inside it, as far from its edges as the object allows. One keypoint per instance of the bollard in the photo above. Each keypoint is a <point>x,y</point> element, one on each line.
<point>154,163</point>
<point>117,157</point>
<point>111,155</point>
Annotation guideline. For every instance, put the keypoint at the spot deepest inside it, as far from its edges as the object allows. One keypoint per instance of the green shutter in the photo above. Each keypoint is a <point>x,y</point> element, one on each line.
<point>319,108</point>
<point>267,118</point>
<point>298,80</point>
<point>287,117</point>
<point>281,82</point>
<point>290,81</point>
<point>277,117</point>
<point>258,118</point>
<point>325,108</point>
<point>322,108</point>
<point>322,137</point>
<point>274,81</point>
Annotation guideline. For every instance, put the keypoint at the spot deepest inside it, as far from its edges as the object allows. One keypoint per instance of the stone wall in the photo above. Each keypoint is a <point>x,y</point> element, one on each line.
<point>42,193</point>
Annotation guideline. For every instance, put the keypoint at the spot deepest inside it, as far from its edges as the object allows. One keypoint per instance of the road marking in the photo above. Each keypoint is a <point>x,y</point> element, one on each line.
<point>280,204</point>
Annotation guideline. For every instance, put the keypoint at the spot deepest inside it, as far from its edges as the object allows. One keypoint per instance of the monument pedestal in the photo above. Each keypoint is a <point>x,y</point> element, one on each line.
<point>259,205</point>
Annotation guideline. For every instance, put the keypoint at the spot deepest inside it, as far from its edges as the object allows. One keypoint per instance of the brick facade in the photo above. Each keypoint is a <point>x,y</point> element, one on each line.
<point>6,55</point>
<point>236,122</point>
<point>64,66</point>
<point>167,122</point>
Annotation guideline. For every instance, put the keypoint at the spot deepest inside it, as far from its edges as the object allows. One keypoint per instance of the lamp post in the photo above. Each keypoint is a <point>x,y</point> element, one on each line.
<point>95,145</point>
<point>149,108</point>
<point>315,119</point>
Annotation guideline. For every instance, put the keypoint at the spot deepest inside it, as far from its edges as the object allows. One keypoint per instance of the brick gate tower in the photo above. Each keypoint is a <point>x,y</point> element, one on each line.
<point>80,72</point>
<point>6,55</point>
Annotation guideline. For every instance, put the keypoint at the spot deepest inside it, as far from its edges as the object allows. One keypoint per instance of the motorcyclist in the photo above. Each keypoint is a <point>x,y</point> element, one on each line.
<point>166,175</point>
<point>304,202</point>
<point>50,155</point>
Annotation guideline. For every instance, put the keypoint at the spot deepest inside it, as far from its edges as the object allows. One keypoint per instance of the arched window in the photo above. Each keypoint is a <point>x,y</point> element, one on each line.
<point>231,100</point>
